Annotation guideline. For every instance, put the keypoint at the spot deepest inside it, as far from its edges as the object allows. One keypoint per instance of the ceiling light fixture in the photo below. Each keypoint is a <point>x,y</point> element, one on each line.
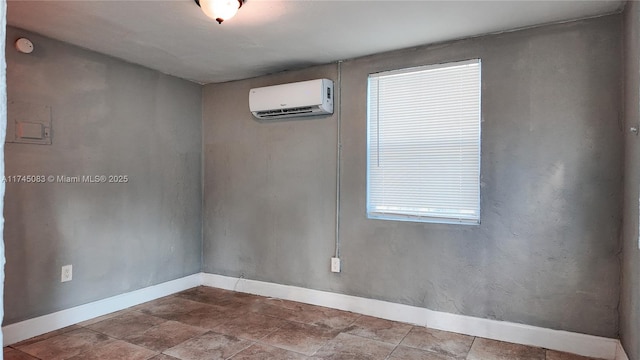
<point>220,10</point>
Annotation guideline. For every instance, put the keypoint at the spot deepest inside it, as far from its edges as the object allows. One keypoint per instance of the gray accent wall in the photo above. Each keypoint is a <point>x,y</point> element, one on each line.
<point>109,117</point>
<point>547,251</point>
<point>630,291</point>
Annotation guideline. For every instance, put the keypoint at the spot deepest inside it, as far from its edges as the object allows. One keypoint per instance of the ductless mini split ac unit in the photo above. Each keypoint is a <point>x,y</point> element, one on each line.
<point>305,98</point>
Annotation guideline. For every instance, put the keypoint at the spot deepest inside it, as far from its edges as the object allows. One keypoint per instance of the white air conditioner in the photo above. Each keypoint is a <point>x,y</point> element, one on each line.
<point>305,98</point>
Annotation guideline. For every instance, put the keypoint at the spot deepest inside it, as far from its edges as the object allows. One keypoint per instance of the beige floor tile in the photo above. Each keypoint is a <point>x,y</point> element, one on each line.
<point>13,354</point>
<point>349,347</point>
<point>443,342</point>
<point>166,335</point>
<point>205,294</point>
<point>220,297</point>
<point>274,309</point>
<point>322,316</point>
<point>408,353</point>
<point>308,314</point>
<point>287,304</point>
<point>485,349</point>
<point>163,357</point>
<point>46,336</point>
<point>210,346</point>
<point>129,324</point>
<point>207,317</point>
<point>379,329</point>
<point>115,350</point>
<point>65,345</point>
<point>171,308</point>
<point>251,326</point>
<point>151,303</point>
<point>243,307</point>
<point>302,338</point>
<point>266,352</point>
<point>557,355</point>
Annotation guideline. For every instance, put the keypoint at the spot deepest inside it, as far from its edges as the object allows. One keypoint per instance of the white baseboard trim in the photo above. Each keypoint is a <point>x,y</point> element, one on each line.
<point>586,345</point>
<point>620,353</point>
<point>43,324</point>
<point>575,343</point>
<point>581,344</point>
<point>377,308</point>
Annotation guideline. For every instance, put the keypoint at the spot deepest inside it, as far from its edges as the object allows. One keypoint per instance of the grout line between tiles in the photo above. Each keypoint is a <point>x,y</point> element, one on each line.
<point>401,340</point>
<point>241,350</point>
<point>471,347</point>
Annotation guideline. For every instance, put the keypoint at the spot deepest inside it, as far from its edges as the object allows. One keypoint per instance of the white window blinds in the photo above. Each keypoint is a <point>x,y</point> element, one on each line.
<point>424,144</point>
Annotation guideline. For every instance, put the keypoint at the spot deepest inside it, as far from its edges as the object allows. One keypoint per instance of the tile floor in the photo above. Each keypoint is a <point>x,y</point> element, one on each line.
<point>209,323</point>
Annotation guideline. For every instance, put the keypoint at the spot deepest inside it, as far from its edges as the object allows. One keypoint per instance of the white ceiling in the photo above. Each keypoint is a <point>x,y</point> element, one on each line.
<point>266,36</point>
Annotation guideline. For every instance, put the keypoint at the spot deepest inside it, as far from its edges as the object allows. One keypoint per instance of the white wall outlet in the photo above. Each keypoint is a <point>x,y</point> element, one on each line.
<point>67,273</point>
<point>335,264</point>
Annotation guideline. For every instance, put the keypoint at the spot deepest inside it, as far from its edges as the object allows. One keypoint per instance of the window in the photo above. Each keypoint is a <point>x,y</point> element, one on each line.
<point>423,161</point>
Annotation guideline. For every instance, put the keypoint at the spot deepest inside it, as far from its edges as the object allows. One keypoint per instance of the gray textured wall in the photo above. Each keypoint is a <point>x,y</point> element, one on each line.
<point>269,187</point>
<point>109,117</point>
<point>546,251</point>
<point>630,292</point>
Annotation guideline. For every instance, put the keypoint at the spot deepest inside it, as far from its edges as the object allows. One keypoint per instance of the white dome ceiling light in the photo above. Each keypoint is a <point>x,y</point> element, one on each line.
<point>220,10</point>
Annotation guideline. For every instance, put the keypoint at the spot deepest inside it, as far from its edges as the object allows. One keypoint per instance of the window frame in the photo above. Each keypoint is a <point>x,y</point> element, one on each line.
<point>421,218</point>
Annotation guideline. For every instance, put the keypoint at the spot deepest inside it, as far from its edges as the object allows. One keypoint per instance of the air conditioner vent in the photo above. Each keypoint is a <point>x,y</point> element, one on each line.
<point>305,98</point>
<point>278,112</point>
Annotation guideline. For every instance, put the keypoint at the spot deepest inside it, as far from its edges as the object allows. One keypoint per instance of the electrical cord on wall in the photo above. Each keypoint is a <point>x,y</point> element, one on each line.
<point>338,156</point>
<point>235,287</point>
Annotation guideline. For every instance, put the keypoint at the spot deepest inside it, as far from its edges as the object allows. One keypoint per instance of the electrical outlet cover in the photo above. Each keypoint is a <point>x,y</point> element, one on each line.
<point>67,273</point>
<point>335,264</point>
